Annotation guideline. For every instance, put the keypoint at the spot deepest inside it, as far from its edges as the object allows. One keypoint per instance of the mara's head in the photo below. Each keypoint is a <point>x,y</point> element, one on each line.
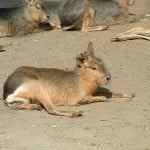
<point>93,67</point>
<point>36,12</point>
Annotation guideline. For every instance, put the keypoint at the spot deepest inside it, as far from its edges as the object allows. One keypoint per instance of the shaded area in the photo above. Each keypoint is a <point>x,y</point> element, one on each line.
<point>51,5</point>
<point>10,3</point>
<point>102,91</point>
<point>45,26</point>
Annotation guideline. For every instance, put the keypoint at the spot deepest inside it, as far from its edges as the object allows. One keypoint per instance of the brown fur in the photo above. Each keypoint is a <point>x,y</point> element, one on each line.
<point>29,87</point>
<point>135,33</point>
<point>125,4</point>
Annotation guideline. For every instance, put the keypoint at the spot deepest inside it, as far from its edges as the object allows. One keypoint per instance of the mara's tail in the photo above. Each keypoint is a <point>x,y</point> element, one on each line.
<point>2,48</point>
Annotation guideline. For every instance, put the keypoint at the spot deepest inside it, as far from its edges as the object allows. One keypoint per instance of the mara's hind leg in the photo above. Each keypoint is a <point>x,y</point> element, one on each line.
<point>45,100</point>
<point>35,92</point>
<point>88,21</point>
<point>135,33</point>
<point>16,102</point>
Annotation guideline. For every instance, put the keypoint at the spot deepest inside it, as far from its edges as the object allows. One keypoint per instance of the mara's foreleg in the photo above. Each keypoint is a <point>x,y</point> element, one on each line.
<point>135,33</point>
<point>91,99</point>
<point>109,94</point>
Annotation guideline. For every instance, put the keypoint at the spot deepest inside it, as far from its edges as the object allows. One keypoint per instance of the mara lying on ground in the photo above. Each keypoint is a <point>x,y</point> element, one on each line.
<point>28,18</point>
<point>94,15</point>
<point>135,33</point>
<point>34,88</point>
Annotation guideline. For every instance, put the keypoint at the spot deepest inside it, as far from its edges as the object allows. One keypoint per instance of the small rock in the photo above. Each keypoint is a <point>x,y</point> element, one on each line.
<point>54,126</point>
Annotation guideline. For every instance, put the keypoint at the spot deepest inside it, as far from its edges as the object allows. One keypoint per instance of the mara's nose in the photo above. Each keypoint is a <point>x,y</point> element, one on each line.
<point>48,16</point>
<point>108,77</point>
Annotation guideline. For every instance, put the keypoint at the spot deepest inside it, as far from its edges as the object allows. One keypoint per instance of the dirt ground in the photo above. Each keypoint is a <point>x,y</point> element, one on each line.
<point>115,125</point>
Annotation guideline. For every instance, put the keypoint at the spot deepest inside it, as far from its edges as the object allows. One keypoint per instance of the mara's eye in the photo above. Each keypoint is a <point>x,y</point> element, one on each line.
<point>93,68</point>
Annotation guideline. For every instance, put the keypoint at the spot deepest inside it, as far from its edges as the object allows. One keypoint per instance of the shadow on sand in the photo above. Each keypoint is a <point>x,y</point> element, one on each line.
<point>50,4</point>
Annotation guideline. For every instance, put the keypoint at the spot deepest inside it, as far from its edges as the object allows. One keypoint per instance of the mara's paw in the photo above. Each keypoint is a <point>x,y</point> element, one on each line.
<point>104,98</point>
<point>117,39</point>
<point>38,107</point>
<point>101,99</point>
<point>129,95</point>
<point>76,114</point>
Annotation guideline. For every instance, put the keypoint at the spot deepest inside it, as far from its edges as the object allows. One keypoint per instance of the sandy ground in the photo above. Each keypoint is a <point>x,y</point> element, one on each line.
<point>115,125</point>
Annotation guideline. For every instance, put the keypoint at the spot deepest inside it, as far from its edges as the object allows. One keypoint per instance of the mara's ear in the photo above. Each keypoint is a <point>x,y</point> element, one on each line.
<point>90,50</point>
<point>30,1</point>
<point>80,59</point>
